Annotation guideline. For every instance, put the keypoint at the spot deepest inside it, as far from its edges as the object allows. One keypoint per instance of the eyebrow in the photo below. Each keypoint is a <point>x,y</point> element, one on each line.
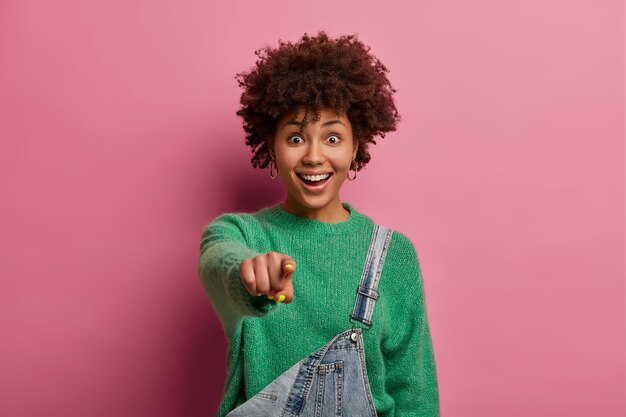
<point>328,123</point>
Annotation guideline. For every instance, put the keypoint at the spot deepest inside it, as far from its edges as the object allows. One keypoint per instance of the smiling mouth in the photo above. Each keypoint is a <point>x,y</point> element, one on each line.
<point>315,180</point>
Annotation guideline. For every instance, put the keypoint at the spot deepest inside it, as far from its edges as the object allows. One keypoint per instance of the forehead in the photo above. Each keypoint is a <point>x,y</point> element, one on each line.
<point>296,116</point>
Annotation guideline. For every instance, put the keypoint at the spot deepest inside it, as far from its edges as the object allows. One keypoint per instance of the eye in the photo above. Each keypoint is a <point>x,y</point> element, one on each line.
<point>295,139</point>
<point>334,139</point>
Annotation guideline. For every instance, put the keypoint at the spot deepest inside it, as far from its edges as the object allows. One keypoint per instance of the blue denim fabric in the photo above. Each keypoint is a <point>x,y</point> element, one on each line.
<point>374,261</point>
<point>331,381</point>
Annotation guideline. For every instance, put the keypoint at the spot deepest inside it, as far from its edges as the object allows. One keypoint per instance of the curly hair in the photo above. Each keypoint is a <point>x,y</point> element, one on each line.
<point>316,73</point>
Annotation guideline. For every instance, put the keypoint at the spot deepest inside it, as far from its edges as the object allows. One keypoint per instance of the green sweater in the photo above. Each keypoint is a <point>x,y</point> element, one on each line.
<point>266,338</point>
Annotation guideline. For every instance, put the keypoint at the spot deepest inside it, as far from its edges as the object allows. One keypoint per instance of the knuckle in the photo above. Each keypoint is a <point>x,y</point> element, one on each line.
<point>263,287</point>
<point>274,256</point>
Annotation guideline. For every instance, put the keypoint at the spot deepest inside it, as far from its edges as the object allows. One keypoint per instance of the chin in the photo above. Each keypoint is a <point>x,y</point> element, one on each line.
<point>314,203</point>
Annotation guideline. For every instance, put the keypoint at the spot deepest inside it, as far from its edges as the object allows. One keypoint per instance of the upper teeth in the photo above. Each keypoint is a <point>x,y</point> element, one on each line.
<point>315,177</point>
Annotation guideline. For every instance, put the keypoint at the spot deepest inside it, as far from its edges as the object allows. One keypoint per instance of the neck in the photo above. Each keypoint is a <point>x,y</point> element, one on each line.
<point>333,212</point>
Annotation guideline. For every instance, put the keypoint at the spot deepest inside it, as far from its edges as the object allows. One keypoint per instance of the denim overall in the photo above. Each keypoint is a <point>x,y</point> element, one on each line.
<point>331,381</point>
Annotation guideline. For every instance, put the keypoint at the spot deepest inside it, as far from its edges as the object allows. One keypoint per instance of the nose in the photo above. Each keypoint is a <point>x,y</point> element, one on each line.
<point>314,154</point>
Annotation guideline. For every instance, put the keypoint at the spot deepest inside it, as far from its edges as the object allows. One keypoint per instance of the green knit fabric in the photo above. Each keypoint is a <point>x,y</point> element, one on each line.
<point>266,338</point>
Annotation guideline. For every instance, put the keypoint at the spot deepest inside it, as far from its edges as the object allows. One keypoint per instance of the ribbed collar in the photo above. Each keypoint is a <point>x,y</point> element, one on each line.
<point>281,217</point>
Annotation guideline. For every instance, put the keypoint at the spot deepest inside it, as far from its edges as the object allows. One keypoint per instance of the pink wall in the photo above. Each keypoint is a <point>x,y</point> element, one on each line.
<point>119,142</point>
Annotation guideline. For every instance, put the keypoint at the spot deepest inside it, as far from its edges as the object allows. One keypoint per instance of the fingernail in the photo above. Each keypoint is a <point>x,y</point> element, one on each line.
<point>271,297</point>
<point>289,266</point>
<point>281,298</point>
<point>259,294</point>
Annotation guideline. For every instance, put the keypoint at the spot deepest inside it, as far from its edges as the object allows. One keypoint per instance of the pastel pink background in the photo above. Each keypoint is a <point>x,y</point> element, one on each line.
<point>119,143</point>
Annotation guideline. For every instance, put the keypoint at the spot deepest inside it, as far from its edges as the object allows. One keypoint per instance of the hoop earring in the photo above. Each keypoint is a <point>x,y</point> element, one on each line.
<point>272,164</point>
<point>355,172</point>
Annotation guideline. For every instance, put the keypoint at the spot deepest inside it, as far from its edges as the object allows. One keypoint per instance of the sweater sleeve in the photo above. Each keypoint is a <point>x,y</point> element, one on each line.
<point>222,248</point>
<point>410,363</point>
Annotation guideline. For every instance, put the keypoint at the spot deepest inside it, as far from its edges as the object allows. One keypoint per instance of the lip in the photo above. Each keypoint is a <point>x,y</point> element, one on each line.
<point>317,189</point>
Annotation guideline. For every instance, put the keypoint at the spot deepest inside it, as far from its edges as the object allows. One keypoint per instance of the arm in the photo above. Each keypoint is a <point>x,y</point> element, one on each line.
<point>410,363</point>
<point>222,248</point>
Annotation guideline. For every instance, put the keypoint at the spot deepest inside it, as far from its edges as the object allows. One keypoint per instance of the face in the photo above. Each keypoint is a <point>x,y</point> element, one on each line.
<point>314,164</point>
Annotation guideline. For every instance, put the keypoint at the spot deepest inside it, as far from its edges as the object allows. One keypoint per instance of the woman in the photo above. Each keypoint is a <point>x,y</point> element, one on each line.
<point>295,284</point>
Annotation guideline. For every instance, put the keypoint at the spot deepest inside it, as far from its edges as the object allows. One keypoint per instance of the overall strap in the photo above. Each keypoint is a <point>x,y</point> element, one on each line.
<point>366,292</point>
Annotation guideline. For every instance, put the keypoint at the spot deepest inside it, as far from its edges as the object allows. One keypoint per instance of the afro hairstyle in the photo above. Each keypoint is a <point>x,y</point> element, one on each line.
<point>317,72</point>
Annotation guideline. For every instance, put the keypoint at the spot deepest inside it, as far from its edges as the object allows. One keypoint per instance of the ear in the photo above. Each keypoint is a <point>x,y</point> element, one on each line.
<point>355,148</point>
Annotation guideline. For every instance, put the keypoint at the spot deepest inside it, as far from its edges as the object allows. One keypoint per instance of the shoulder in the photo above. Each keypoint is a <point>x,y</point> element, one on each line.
<point>401,246</point>
<point>240,226</point>
<point>231,219</point>
<point>239,219</point>
<point>401,260</point>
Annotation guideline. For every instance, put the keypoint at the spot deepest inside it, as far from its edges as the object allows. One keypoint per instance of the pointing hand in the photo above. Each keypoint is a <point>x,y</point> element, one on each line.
<point>269,274</point>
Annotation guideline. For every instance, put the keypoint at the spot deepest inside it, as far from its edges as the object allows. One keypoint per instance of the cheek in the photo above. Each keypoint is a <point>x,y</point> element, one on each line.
<point>285,169</point>
<point>283,160</point>
<point>343,162</point>
<point>285,165</point>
